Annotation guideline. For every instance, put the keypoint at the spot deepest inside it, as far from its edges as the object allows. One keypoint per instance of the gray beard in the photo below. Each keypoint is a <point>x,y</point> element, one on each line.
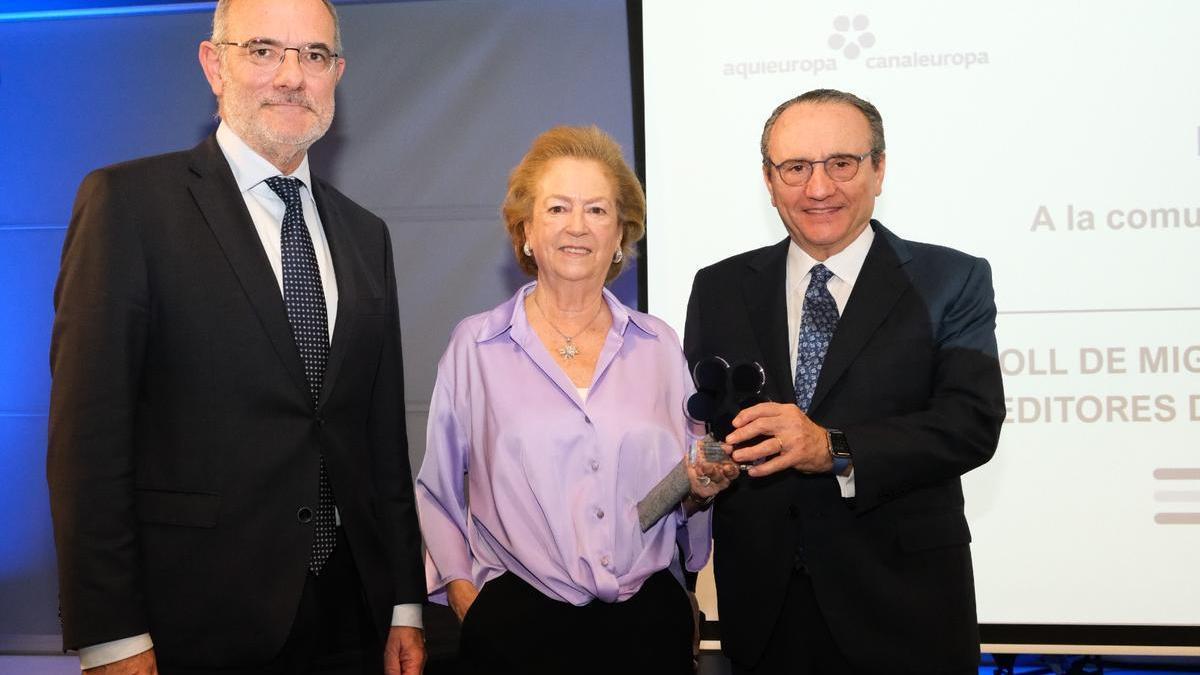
<point>266,141</point>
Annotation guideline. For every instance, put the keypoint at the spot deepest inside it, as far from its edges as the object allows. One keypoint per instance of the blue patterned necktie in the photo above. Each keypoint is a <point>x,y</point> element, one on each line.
<point>818,320</point>
<point>304,298</point>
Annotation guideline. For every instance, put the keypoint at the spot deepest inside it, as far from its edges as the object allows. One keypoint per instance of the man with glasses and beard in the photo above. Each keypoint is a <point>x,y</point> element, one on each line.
<point>845,548</point>
<point>227,460</point>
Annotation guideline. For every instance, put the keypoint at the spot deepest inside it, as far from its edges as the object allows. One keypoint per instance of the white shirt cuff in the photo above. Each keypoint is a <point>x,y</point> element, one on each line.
<point>846,483</point>
<point>407,615</point>
<point>111,652</point>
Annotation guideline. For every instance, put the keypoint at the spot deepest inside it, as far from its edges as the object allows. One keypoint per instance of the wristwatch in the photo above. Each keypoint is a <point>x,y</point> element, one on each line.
<point>839,449</point>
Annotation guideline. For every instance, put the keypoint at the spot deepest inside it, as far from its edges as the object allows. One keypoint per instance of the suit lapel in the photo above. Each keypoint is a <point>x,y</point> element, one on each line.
<point>345,267</point>
<point>764,288</point>
<point>880,284</point>
<point>224,209</point>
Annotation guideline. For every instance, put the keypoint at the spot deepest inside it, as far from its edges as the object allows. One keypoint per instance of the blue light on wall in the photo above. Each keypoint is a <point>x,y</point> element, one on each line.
<point>42,10</point>
<point>28,259</point>
<point>75,94</point>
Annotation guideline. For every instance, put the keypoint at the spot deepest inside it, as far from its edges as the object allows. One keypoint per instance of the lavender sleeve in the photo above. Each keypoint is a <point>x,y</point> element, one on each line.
<point>441,492</point>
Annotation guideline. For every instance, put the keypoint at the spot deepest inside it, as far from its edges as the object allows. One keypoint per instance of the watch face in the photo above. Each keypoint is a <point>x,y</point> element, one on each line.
<point>838,447</point>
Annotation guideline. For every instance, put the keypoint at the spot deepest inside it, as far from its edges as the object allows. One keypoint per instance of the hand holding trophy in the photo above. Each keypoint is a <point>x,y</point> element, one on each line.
<point>721,392</point>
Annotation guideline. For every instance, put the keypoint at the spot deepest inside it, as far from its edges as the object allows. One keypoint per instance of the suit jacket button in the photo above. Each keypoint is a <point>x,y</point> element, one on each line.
<point>793,511</point>
<point>320,421</point>
<point>304,515</point>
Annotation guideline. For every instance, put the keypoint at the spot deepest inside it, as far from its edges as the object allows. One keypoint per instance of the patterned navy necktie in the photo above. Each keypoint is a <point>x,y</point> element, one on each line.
<point>818,320</point>
<point>304,299</point>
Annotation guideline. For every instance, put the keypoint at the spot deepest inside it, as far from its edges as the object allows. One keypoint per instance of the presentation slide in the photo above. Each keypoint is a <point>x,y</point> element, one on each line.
<point>1061,141</point>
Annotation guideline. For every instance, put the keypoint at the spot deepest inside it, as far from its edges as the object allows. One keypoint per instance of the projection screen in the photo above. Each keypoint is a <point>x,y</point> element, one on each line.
<point>1061,141</point>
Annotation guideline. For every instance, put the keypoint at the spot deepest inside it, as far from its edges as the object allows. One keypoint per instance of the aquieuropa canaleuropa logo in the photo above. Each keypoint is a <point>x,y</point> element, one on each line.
<point>853,45</point>
<point>851,35</point>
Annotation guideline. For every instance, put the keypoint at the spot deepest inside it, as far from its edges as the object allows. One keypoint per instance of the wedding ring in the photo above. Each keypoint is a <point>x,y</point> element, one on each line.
<point>704,480</point>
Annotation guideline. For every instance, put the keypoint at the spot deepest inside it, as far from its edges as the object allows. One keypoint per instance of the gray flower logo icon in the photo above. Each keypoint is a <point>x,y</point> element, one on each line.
<point>863,39</point>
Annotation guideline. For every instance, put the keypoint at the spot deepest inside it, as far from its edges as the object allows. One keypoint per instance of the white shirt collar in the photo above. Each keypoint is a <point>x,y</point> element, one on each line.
<point>845,264</point>
<point>249,167</point>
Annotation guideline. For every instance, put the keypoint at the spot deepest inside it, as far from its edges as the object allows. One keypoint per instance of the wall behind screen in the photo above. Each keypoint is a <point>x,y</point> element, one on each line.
<point>439,101</point>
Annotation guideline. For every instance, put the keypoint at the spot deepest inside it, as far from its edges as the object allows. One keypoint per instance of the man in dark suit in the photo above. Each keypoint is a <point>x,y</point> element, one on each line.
<point>228,467</point>
<point>845,549</point>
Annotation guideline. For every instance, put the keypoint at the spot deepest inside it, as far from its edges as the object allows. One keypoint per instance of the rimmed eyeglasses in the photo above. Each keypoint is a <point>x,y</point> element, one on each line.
<point>316,59</point>
<point>841,168</point>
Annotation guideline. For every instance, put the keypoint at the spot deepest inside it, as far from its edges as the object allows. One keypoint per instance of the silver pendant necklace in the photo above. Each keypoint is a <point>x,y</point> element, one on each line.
<point>569,350</point>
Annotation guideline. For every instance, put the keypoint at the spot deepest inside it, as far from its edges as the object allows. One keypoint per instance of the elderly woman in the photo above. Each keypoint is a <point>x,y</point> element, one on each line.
<point>552,416</point>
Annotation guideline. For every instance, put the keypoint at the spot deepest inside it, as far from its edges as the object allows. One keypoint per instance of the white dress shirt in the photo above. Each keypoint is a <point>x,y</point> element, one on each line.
<point>845,265</point>
<point>250,171</point>
<point>266,208</point>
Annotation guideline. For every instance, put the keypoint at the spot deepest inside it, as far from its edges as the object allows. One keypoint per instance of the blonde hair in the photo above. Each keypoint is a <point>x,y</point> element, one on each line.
<point>577,143</point>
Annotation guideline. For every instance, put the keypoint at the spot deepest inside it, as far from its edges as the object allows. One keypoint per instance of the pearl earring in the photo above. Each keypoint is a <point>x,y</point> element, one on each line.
<point>618,256</point>
<point>528,251</point>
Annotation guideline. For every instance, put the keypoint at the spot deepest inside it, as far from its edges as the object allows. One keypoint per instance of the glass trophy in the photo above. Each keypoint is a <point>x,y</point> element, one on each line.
<point>722,391</point>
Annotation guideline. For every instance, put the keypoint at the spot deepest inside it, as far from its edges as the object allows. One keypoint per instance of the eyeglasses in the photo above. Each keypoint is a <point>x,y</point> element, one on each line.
<point>315,59</point>
<point>841,168</point>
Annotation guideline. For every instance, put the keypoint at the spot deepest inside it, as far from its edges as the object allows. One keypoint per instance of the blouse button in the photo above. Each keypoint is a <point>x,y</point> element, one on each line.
<point>595,465</point>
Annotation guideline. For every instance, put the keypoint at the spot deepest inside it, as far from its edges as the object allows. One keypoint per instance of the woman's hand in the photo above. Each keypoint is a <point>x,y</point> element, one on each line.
<point>461,594</point>
<point>706,479</point>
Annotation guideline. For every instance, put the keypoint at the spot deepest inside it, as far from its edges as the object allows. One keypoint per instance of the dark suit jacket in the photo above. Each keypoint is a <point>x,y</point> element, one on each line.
<point>183,439</point>
<point>912,379</point>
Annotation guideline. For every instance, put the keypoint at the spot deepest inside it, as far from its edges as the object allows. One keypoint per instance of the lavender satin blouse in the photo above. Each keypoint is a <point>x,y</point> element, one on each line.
<point>521,475</point>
